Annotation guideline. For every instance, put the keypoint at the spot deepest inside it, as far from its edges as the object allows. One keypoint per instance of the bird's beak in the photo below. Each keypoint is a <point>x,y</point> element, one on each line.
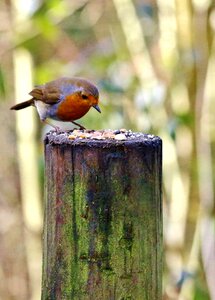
<point>97,108</point>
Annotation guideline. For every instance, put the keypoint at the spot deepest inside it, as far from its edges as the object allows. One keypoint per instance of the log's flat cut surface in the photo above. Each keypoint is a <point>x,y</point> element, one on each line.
<point>103,216</point>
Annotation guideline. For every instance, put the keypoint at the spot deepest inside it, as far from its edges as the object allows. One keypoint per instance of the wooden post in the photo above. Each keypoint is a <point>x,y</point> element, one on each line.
<point>103,217</point>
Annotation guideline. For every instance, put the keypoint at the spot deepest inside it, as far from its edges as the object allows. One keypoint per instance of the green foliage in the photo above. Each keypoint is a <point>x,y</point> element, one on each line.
<point>2,84</point>
<point>200,292</point>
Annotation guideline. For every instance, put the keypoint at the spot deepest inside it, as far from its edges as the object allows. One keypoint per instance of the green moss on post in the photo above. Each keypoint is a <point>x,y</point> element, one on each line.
<point>103,222</point>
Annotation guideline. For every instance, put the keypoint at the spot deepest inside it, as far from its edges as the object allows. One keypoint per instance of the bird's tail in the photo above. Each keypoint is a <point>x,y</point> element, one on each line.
<point>23,104</point>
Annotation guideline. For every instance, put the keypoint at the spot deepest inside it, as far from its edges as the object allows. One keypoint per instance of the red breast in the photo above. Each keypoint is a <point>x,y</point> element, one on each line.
<point>76,105</point>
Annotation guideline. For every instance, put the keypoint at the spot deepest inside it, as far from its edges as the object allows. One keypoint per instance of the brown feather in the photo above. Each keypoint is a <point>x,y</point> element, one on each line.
<point>37,93</point>
<point>23,104</point>
<point>47,94</point>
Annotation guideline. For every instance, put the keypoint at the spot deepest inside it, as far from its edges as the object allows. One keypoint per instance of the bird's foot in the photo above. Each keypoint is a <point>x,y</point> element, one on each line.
<point>79,125</point>
<point>56,128</point>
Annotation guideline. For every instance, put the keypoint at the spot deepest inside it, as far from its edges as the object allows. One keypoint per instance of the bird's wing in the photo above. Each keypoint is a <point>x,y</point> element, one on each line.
<point>47,94</point>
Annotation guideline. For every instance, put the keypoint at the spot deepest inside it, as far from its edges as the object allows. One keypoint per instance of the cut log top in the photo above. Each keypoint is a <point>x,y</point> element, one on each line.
<point>104,138</point>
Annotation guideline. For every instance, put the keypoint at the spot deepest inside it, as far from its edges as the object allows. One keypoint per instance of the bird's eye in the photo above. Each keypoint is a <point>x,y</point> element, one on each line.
<point>84,96</point>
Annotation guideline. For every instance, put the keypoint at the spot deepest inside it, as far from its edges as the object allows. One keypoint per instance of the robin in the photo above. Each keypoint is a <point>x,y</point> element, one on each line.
<point>64,99</point>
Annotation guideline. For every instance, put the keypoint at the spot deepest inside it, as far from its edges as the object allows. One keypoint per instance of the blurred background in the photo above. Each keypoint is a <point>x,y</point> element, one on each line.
<point>154,64</point>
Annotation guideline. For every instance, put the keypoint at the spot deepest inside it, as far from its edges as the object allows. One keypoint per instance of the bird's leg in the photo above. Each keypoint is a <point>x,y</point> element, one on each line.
<point>55,127</point>
<point>81,127</point>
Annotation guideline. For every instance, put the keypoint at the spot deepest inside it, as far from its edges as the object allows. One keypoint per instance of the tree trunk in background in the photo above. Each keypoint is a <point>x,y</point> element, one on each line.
<point>13,283</point>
